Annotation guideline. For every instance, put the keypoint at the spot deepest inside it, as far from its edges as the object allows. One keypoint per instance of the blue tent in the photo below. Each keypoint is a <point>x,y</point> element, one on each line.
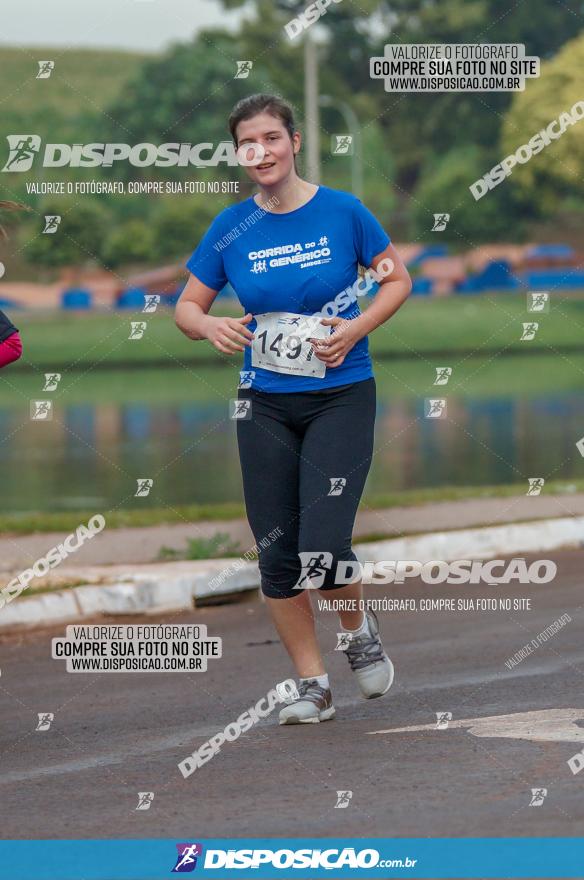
<point>562,279</point>
<point>496,275</point>
<point>422,286</point>
<point>132,298</point>
<point>76,298</point>
<point>555,251</point>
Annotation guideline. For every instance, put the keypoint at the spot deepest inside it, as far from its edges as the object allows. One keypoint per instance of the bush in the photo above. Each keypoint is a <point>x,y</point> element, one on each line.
<point>444,188</point>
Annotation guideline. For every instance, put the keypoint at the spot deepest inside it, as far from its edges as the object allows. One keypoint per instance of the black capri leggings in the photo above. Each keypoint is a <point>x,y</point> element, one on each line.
<point>296,450</point>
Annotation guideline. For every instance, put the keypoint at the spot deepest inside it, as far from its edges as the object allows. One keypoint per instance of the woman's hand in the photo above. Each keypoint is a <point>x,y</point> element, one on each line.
<point>333,351</point>
<point>228,335</point>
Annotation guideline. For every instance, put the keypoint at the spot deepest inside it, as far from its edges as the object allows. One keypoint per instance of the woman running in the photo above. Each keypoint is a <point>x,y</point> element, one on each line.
<point>307,396</point>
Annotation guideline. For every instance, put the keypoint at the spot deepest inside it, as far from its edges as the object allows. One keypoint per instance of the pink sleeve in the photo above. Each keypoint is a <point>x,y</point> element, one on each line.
<point>10,350</point>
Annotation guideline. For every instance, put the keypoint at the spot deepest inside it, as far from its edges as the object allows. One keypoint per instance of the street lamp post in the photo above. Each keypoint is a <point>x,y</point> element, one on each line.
<point>352,124</point>
<point>311,109</point>
<point>311,120</point>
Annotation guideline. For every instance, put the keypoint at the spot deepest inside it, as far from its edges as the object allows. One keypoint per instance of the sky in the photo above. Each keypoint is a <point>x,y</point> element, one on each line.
<point>149,25</point>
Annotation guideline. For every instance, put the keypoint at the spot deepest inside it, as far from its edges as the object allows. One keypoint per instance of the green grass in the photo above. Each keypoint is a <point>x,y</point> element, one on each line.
<point>479,325</point>
<point>422,328</point>
<point>26,523</point>
<point>216,547</point>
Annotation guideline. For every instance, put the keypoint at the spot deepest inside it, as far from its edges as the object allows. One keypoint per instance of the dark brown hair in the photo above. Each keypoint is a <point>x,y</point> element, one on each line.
<point>262,103</point>
<point>10,206</point>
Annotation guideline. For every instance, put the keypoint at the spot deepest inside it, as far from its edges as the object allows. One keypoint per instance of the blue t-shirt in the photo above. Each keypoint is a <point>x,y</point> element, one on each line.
<point>293,262</point>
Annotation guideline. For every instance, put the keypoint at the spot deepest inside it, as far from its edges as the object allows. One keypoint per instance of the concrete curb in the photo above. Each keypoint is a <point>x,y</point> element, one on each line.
<point>171,587</point>
<point>482,543</point>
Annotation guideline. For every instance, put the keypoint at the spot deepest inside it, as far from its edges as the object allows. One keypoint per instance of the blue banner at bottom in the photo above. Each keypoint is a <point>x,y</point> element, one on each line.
<point>275,858</point>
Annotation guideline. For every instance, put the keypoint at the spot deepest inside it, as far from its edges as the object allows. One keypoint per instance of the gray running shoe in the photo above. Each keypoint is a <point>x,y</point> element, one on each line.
<point>372,667</point>
<point>314,704</point>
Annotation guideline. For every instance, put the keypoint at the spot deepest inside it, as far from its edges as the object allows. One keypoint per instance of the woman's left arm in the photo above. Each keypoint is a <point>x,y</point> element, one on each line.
<point>395,286</point>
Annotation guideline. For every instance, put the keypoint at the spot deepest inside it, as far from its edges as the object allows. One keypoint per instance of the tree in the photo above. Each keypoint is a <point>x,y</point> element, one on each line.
<point>444,188</point>
<point>130,242</point>
<point>79,237</point>
<point>416,125</point>
<point>184,96</point>
<point>179,224</point>
<point>558,170</point>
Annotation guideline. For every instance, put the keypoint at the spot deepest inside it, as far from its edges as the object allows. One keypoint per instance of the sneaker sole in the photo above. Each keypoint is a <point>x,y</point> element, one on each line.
<point>324,715</point>
<point>381,693</point>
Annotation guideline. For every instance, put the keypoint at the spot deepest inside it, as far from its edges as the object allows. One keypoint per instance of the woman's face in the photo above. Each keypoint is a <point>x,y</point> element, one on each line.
<point>278,159</point>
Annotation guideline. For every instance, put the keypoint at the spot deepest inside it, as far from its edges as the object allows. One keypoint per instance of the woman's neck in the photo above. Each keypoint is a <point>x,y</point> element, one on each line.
<point>288,195</point>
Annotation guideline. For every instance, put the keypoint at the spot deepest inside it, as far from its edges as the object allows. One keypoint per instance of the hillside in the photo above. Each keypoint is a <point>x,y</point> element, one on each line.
<point>64,107</point>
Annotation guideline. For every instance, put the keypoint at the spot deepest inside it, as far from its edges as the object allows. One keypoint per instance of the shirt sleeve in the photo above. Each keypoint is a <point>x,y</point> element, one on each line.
<point>368,234</point>
<point>6,326</point>
<point>10,349</point>
<point>206,261</point>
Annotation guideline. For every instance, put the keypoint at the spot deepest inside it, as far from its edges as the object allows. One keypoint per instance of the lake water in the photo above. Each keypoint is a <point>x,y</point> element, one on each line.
<point>506,420</point>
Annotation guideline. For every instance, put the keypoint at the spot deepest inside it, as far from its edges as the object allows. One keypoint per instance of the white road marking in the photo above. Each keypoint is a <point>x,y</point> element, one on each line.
<point>545,725</point>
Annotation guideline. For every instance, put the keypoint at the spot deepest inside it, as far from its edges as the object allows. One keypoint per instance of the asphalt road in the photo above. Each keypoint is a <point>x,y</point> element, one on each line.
<point>114,735</point>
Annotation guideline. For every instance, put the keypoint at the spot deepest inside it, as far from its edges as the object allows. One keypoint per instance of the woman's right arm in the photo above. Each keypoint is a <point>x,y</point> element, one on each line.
<point>227,334</point>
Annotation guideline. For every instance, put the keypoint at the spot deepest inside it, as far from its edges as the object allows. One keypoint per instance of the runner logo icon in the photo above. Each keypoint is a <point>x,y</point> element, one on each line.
<point>243,69</point>
<point>187,857</point>
<point>343,145</point>
<point>23,148</point>
<point>314,567</point>
<point>246,377</point>
<point>538,796</point>
<point>440,222</point>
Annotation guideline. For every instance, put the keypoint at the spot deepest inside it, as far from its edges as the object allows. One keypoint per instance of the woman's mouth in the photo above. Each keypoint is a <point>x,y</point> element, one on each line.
<point>265,166</point>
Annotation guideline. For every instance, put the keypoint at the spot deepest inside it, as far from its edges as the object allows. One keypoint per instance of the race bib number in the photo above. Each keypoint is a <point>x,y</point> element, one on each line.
<point>281,343</point>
